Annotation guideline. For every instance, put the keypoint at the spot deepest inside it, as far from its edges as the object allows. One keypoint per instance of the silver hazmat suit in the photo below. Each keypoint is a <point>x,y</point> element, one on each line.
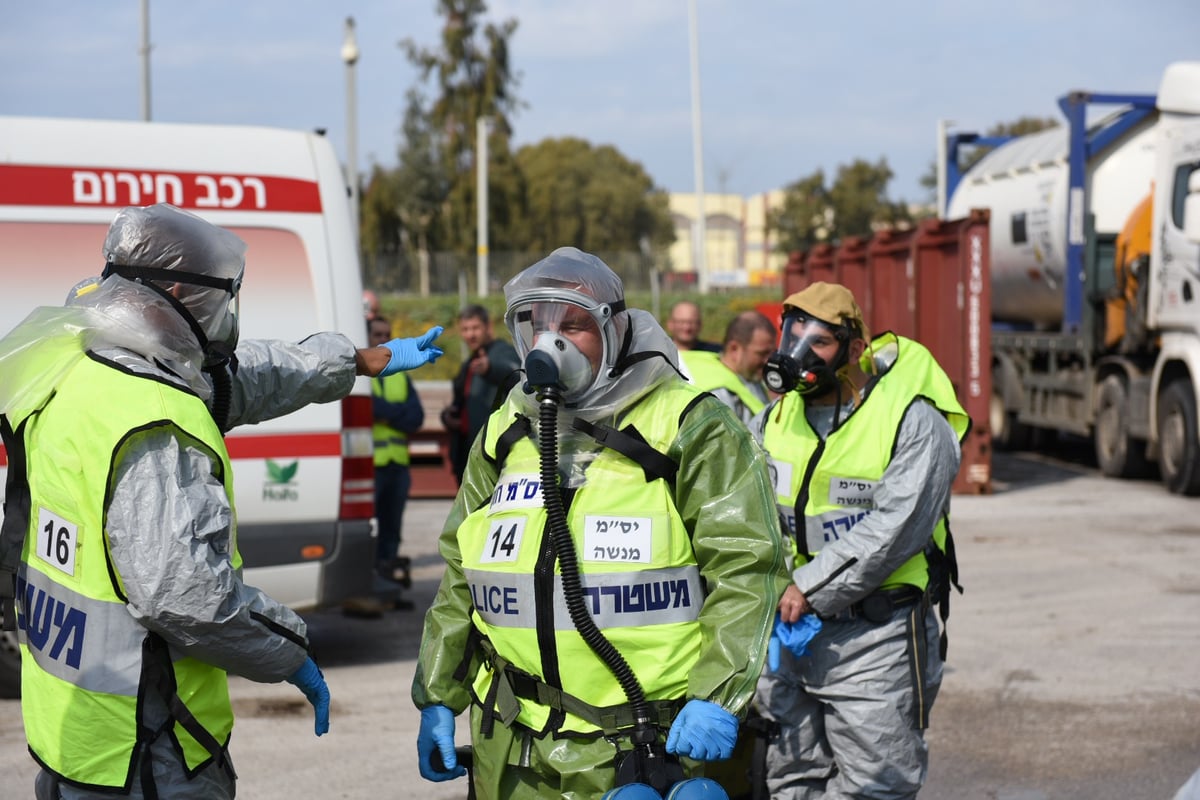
<point>166,502</point>
<point>846,710</point>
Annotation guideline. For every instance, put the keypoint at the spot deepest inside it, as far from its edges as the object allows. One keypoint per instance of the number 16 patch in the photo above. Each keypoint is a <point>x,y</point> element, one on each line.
<point>56,540</point>
<point>503,540</point>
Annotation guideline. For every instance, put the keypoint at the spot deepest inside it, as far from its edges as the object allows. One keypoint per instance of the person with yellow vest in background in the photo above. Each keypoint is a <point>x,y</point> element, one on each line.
<point>613,563</point>
<point>398,413</point>
<point>119,532</point>
<point>735,375</point>
<point>864,444</point>
<point>683,324</point>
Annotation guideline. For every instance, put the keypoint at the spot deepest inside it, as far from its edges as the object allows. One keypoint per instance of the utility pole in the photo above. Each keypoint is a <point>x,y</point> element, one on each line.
<point>943,126</point>
<point>700,232</point>
<point>144,52</point>
<point>350,57</point>
<point>482,126</point>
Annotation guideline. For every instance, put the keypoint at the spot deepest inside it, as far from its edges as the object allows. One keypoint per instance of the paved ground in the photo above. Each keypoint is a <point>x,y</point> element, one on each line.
<point>1072,672</point>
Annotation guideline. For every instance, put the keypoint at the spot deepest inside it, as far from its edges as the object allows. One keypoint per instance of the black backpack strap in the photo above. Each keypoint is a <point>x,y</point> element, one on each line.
<point>943,573</point>
<point>156,667</point>
<point>631,444</point>
<point>518,430</point>
<point>16,517</point>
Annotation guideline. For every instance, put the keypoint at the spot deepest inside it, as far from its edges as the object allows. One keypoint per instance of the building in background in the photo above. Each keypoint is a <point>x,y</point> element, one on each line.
<point>738,251</point>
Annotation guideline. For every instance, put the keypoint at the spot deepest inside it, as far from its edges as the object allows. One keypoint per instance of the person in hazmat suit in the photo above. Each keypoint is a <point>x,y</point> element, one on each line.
<point>864,445</point>
<point>119,521</point>
<point>613,562</point>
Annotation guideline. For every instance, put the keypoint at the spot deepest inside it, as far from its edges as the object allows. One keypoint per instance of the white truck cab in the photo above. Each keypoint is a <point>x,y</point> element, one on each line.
<point>304,483</point>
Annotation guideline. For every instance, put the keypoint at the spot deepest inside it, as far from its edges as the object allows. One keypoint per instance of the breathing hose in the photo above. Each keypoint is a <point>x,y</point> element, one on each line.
<point>648,761</point>
<point>556,518</point>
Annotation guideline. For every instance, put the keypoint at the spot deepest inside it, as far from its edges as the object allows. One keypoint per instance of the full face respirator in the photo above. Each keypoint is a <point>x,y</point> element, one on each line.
<point>796,366</point>
<point>542,329</point>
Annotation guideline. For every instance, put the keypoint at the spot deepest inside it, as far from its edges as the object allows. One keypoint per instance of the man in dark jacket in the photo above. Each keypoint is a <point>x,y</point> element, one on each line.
<point>488,366</point>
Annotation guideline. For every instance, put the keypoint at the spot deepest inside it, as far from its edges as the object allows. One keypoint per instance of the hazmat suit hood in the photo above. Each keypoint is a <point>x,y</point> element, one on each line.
<point>131,314</point>
<point>195,265</point>
<point>638,355</point>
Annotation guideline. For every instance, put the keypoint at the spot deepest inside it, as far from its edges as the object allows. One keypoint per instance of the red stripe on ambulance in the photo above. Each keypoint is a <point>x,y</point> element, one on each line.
<point>103,187</point>
<point>289,445</point>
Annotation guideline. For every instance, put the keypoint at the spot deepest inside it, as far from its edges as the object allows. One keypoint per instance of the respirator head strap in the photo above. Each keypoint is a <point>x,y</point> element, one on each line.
<point>230,285</point>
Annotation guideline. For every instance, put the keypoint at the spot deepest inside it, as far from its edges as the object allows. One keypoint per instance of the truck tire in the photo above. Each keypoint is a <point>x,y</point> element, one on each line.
<point>1008,433</point>
<point>1178,450</point>
<point>1118,454</point>
<point>10,663</point>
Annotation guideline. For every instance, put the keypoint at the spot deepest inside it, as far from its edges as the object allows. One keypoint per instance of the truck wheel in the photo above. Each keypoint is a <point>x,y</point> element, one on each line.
<point>10,663</point>
<point>1007,432</point>
<point>1118,454</point>
<point>1178,450</point>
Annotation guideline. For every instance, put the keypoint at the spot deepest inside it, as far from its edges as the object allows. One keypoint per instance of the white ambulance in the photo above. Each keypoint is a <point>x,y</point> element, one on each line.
<point>304,482</point>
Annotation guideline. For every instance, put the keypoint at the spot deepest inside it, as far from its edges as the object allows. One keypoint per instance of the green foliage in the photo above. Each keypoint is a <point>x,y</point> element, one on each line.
<point>593,198</point>
<point>855,204</point>
<point>471,79</point>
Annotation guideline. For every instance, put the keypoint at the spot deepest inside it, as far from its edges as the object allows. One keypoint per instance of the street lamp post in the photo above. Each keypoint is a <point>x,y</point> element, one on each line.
<point>700,233</point>
<point>350,57</point>
<point>144,52</point>
<point>482,126</point>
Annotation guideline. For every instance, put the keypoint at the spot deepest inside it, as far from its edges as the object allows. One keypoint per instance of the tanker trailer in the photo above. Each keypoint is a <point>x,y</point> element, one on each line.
<point>1095,264</point>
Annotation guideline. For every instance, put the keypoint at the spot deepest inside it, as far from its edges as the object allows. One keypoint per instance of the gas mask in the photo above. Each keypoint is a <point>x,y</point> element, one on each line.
<point>542,327</point>
<point>796,365</point>
<point>555,360</point>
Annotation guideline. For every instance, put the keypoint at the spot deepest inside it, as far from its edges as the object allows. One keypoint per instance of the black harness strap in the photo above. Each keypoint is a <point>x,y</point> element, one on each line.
<point>943,573</point>
<point>631,444</point>
<point>16,518</point>
<point>509,682</point>
<point>518,430</point>
<point>157,666</point>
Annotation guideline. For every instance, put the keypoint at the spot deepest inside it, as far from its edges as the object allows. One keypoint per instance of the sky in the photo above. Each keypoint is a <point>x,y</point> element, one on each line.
<point>787,87</point>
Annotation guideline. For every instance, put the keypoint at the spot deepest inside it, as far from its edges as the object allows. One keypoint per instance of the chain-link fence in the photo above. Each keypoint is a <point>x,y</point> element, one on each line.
<point>454,273</point>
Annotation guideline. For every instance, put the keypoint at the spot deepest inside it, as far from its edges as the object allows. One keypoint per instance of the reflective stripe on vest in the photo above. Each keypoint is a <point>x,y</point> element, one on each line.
<point>640,579</point>
<point>708,372</point>
<point>391,445</point>
<point>82,665</point>
<point>843,483</point>
<point>615,600</point>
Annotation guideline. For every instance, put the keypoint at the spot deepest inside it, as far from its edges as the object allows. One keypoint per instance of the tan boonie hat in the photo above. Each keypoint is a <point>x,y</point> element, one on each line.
<point>831,303</point>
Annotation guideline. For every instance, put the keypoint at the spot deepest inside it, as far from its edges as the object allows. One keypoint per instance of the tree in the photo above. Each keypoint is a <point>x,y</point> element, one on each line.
<point>472,79</point>
<point>859,199</point>
<point>855,205</point>
<point>802,220</point>
<point>593,198</point>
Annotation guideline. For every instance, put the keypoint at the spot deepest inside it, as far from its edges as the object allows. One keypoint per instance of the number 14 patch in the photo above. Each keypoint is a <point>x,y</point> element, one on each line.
<point>503,540</point>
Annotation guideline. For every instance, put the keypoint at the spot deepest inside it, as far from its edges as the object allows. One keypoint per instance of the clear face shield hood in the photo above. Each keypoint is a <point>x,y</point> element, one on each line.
<point>542,325</point>
<point>796,366</point>
<point>194,265</point>
<point>209,304</point>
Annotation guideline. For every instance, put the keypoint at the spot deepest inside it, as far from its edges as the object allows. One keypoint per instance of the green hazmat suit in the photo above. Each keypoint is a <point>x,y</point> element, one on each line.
<point>724,500</point>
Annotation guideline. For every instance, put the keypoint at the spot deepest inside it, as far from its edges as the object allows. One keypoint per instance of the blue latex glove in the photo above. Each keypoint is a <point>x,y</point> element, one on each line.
<point>310,681</point>
<point>437,730</point>
<point>795,636</point>
<point>703,731</point>
<point>412,353</point>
